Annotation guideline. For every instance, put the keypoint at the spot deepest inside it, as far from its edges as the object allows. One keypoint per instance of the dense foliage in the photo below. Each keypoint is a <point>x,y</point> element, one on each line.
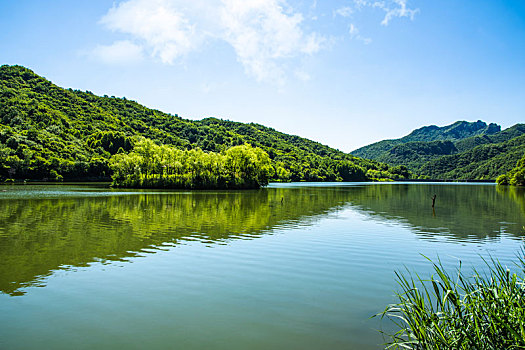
<point>413,154</point>
<point>461,151</point>
<point>47,132</point>
<point>153,166</point>
<point>499,137</point>
<point>458,312</point>
<point>515,177</point>
<point>484,162</point>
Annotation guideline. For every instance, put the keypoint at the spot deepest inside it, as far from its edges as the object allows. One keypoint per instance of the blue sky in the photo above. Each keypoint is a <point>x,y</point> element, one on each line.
<point>345,73</point>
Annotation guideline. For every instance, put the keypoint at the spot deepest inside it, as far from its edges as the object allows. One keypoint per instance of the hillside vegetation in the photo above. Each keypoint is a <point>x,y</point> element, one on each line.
<point>516,176</point>
<point>48,132</point>
<point>454,132</point>
<point>460,151</point>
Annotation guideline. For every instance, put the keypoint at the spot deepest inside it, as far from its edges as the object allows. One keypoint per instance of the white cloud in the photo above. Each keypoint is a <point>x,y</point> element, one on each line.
<point>398,10</point>
<point>345,11</point>
<point>353,30</point>
<point>120,52</point>
<point>392,8</point>
<point>156,24</point>
<point>265,34</point>
<point>354,34</point>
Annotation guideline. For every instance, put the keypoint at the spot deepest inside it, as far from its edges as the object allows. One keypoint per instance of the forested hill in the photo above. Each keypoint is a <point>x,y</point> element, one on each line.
<point>454,132</point>
<point>47,132</point>
<point>463,150</point>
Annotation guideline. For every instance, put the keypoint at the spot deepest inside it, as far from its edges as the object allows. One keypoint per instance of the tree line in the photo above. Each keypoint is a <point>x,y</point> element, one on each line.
<point>516,176</point>
<point>161,166</point>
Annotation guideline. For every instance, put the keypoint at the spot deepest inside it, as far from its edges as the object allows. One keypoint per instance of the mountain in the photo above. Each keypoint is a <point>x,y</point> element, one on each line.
<point>454,132</point>
<point>484,162</point>
<point>414,154</point>
<point>461,150</point>
<point>48,132</point>
<point>502,136</point>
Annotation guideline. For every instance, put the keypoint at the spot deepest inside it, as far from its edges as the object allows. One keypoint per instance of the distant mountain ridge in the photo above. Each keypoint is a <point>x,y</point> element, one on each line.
<point>462,150</point>
<point>456,131</point>
<point>453,132</point>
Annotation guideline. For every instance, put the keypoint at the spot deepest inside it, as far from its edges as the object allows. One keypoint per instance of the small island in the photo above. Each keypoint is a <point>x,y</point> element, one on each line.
<point>149,165</point>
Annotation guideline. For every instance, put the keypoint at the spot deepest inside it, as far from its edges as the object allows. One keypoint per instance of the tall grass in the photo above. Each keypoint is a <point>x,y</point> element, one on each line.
<point>482,311</point>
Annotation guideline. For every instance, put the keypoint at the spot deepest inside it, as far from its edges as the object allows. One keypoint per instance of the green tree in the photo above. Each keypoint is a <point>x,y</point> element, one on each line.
<point>515,177</point>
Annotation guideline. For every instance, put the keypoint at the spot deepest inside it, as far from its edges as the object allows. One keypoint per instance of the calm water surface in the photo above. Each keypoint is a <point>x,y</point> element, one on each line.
<point>292,266</point>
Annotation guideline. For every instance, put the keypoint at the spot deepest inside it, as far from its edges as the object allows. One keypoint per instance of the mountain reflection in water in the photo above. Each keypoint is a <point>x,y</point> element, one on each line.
<point>45,228</point>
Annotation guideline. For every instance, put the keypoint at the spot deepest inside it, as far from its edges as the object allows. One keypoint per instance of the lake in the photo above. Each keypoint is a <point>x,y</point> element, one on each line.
<point>291,266</point>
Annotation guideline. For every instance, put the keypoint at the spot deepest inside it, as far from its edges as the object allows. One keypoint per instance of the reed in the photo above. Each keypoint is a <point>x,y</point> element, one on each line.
<point>479,311</point>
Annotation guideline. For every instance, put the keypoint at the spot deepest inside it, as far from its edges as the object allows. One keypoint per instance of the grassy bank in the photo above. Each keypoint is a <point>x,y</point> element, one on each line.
<point>477,311</point>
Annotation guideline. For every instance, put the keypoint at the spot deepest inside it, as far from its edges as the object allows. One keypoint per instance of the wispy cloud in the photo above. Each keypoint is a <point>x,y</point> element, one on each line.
<point>263,33</point>
<point>354,34</point>
<point>391,9</point>
<point>396,8</point>
<point>345,11</point>
<point>154,24</point>
<point>120,52</point>
<point>267,36</point>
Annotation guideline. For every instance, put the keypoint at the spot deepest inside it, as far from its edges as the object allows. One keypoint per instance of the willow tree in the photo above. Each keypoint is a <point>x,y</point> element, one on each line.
<point>163,166</point>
